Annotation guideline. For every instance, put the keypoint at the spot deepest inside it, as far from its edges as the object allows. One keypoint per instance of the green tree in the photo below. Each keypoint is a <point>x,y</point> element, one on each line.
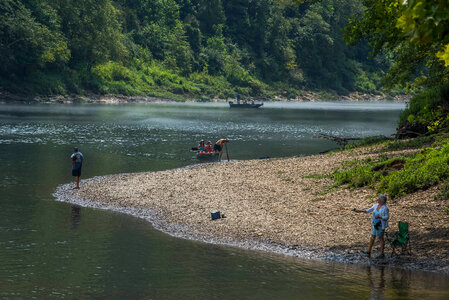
<point>259,13</point>
<point>415,31</point>
<point>63,45</point>
<point>92,30</point>
<point>26,43</point>
<point>322,55</point>
<point>426,23</point>
<point>210,14</point>
<point>237,19</point>
<point>215,53</point>
<point>179,55</point>
<point>280,55</point>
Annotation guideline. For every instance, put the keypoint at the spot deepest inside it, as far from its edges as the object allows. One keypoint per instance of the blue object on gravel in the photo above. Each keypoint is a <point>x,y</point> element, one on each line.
<point>215,215</point>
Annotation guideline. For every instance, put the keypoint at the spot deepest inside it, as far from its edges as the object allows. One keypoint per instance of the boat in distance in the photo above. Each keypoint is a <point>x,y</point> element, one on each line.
<point>244,105</point>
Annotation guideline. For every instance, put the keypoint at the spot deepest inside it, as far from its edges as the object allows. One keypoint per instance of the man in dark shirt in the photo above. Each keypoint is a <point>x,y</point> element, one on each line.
<point>77,162</point>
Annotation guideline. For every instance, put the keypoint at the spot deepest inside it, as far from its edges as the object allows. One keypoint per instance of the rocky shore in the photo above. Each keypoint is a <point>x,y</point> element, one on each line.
<point>277,205</point>
<point>306,96</point>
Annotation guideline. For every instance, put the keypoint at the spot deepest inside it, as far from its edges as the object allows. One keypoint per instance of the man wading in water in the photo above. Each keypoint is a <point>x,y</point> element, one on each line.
<point>219,147</point>
<point>77,162</point>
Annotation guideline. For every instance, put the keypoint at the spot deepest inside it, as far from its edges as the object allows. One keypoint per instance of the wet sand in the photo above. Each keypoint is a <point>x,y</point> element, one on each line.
<point>277,205</point>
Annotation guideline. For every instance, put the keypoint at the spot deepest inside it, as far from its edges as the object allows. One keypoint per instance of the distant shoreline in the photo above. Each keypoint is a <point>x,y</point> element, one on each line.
<point>308,96</point>
<point>274,205</point>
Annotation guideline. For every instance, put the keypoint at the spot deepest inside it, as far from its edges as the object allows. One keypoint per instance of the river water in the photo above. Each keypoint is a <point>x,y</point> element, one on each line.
<point>50,249</point>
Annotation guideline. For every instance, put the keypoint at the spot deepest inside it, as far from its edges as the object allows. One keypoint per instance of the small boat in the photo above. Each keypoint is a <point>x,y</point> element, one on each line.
<point>207,156</point>
<point>244,105</point>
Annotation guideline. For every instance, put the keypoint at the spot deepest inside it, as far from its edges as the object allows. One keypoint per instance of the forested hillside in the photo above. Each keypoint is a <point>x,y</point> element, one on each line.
<point>183,48</point>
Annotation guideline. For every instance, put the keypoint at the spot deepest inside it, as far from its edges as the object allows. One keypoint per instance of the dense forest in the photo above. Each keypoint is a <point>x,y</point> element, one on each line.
<point>184,48</point>
<point>415,33</point>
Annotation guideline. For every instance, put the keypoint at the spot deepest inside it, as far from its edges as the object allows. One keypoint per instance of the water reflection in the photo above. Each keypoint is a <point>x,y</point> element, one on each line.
<point>75,216</point>
<point>376,282</point>
<point>401,283</point>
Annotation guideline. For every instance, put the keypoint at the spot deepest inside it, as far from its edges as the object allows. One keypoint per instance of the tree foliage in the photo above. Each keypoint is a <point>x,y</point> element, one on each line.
<point>68,45</point>
<point>415,31</point>
<point>29,41</point>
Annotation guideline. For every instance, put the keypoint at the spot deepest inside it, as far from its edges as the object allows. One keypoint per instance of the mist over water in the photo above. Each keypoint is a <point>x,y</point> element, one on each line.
<point>52,249</point>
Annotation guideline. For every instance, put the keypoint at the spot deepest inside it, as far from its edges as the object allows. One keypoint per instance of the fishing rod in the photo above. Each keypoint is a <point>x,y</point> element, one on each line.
<point>70,171</point>
<point>67,174</point>
<point>345,208</point>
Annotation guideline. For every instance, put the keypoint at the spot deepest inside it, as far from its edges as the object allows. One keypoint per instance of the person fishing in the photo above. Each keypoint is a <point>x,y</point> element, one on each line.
<point>77,162</point>
<point>219,147</point>
<point>379,221</point>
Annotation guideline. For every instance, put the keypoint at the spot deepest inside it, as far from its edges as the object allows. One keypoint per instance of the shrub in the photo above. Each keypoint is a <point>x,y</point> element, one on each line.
<point>112,71</point>
<point>358,176</point>
<point>427,111</point>
<point>411,143</point>
<point>399,175</point>
<point>420,172</point>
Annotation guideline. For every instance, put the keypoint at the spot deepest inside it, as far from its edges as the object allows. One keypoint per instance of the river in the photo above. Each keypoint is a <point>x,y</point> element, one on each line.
<point>50,249</point>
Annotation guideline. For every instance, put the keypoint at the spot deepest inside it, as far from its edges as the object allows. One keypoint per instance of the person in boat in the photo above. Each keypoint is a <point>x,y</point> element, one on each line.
<point>201,147</point>
<point>379,221</point>
<point>238,98</point>
<point>219,147</point>
<point>208,149</point>
<point>77,159</point>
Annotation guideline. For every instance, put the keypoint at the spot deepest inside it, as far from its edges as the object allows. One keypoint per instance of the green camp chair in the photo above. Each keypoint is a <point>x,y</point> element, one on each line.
<point>400,239</point>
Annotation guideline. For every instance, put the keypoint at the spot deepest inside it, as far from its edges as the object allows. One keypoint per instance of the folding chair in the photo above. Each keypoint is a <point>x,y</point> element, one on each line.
<point>401,239</point>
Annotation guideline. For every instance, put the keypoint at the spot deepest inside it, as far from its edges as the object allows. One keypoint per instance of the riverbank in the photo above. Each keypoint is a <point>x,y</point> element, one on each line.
<point>306,96</point>
<point>277,205</point>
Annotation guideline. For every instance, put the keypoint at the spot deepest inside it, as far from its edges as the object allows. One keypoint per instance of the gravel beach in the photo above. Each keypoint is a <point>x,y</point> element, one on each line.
<point>277,205</point>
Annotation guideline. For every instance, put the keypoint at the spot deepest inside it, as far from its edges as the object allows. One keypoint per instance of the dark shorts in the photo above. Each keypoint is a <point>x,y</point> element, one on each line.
<point>76,172</point>
<point>217,148</point>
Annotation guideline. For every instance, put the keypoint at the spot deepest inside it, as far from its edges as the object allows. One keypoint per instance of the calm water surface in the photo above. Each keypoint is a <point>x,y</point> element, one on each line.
<point>50,249</point>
